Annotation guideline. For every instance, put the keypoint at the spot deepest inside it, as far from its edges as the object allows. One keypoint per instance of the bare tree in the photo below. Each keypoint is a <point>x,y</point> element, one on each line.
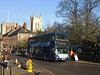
<point>90,20</point>
<point>82,19</point>
<point>69,10</point>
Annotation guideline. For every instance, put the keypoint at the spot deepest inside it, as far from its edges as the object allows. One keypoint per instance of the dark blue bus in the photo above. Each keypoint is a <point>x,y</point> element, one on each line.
<point>51,46</point>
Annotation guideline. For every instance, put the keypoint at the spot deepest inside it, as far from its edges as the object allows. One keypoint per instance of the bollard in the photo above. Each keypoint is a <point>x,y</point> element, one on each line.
<point>3,71</point>
<point>10,70</point>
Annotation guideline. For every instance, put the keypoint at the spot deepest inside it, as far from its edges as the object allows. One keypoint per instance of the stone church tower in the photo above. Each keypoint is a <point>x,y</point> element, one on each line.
<point>5,26</point>
<point>35,23</point>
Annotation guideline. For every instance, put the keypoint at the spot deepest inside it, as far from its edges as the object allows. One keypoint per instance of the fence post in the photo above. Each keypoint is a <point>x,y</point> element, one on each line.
<point>10,70</point>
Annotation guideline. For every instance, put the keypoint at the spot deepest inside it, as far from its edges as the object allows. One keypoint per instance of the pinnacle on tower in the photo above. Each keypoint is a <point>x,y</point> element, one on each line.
<point>30,16</point>
<point>33,15</point>
<point>40,15</point>
<point>37,15</point>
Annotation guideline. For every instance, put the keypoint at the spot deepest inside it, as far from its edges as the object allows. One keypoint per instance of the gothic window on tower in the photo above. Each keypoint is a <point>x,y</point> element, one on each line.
<point>38,25</point>
<point>35,25</point>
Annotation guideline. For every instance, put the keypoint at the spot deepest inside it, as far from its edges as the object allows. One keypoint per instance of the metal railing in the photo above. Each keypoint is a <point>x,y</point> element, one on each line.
<point>10,66</point>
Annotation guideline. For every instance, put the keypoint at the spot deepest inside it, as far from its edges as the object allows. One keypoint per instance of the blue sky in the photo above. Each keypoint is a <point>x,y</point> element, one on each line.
<point>20,10</point>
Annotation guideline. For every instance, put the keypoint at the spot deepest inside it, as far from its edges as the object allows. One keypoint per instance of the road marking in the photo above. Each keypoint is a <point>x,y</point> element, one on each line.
<point>43,68</point>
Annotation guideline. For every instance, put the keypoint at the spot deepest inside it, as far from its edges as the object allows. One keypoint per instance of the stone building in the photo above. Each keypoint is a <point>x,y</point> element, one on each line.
<point>19,35</point>
<point>5,25</point>
<point>35,23</point>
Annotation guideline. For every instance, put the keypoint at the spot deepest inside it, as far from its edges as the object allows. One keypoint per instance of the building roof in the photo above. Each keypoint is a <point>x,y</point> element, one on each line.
<point>7,33</point>
<point>20,30</point>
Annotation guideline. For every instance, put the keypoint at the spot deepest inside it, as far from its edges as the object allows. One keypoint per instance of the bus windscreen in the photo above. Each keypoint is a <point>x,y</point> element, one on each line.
<point>61,36</point>
<point>62,50</point>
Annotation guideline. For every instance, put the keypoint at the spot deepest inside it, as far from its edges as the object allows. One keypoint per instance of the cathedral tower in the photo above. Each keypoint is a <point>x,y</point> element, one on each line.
<point>35,23</point>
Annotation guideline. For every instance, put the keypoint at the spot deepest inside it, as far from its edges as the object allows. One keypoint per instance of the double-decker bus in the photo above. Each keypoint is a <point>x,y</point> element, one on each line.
<point>51,46</point>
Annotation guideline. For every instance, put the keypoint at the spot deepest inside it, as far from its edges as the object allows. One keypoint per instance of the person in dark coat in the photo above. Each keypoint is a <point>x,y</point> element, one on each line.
<point>6,59</point>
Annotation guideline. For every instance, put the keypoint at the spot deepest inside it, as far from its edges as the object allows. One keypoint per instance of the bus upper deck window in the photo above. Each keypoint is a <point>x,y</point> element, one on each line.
<point>53,38</point>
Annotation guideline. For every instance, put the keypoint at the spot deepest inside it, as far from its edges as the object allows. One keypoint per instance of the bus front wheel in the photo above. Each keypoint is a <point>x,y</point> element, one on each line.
<point>45,57</point>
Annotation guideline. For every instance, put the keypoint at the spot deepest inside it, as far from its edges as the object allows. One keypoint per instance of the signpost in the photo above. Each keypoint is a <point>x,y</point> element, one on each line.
<point>76,57</point>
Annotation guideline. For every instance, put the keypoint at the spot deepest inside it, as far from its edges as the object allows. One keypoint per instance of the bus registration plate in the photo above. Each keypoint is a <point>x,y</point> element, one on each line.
<point>63,58</point>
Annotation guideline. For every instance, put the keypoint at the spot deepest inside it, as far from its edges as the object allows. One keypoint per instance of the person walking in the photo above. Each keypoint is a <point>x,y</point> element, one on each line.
<point>6,59</point>
<point>71,55</point>
<point>94,54</point>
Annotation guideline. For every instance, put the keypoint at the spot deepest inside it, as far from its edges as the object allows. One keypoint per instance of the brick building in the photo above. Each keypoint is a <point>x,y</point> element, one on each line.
<point>5,41</point>
<point>15,35</point>
<point>1,41</point>
<point>6,38</point>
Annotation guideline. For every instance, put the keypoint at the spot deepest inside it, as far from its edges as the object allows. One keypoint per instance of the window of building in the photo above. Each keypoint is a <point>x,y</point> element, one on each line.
<point>22,36</point>
<point>9,46</point>
<point>4,46</point>
<point>30,35</point>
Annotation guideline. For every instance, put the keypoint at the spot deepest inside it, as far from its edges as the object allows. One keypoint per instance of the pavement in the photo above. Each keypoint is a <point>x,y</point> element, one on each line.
<point>15,70</point>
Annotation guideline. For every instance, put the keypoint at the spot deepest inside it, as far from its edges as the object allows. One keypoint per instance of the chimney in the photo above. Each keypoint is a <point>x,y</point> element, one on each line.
<point>12,28</point>
<point>16,26</point>
<point>7,29</point>
<point>19,27</point>
<point>25,26</point>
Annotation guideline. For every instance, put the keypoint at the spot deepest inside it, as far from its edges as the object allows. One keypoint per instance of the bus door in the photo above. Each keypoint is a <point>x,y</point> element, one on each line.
<point>31,52</point>
<point>50,53</point>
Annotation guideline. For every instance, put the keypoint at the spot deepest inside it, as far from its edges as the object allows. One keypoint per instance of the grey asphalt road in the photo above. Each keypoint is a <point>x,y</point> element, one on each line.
<point>69,68</point>
<point>66,67</point>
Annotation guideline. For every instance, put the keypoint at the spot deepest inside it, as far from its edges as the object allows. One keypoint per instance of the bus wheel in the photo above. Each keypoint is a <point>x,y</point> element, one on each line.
<point>45,57</point>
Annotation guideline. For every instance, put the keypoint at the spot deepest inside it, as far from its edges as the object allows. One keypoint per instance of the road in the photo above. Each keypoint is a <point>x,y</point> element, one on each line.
<point>65,67</point>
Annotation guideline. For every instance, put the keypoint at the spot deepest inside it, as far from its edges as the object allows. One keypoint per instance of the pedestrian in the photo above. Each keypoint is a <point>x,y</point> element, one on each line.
<point>77,52</point>
<point>6,59</point>
<point>71,55</point>
<point>94,54</point>
<point>9,51</point>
